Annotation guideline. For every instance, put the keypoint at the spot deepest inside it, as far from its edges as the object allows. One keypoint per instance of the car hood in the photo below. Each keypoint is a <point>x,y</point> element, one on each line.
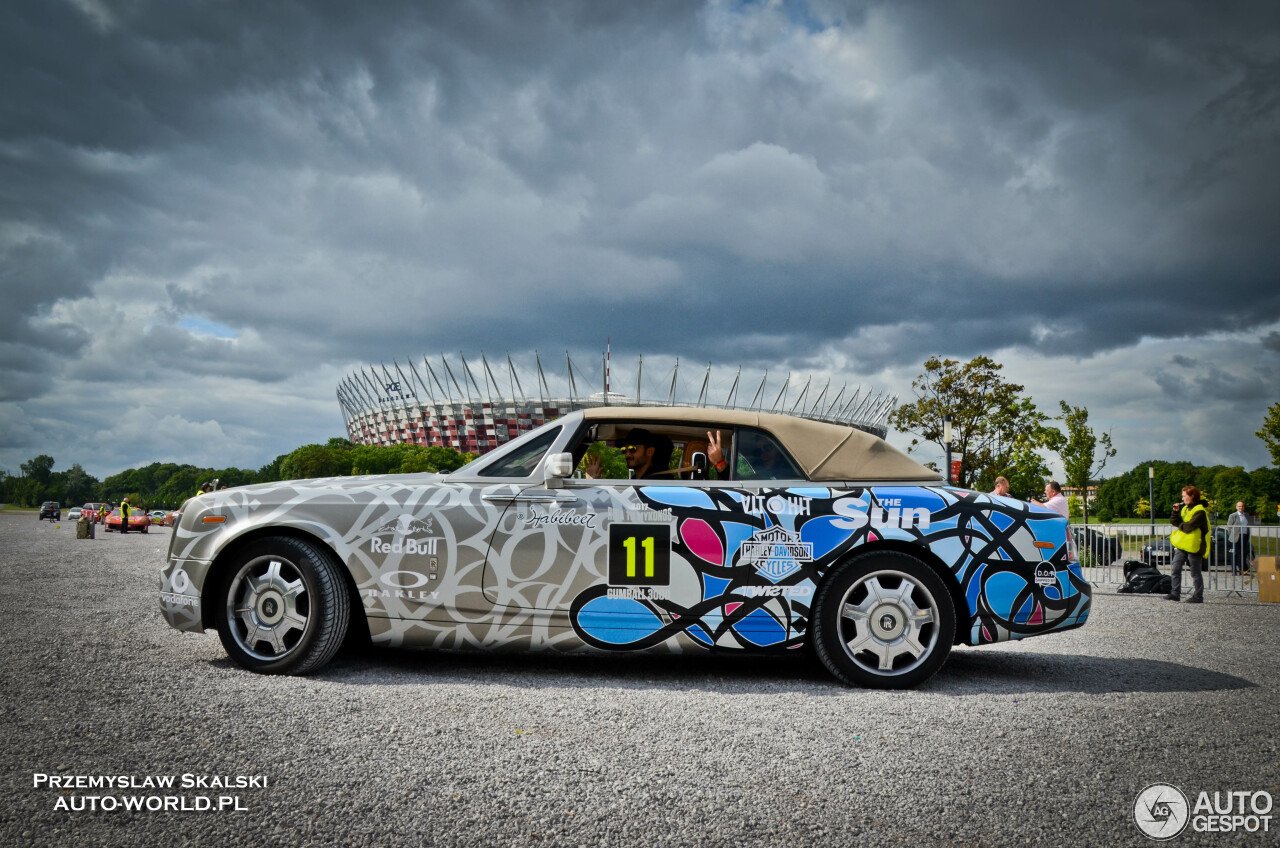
<point>279,491</point>
<point>341,511</point>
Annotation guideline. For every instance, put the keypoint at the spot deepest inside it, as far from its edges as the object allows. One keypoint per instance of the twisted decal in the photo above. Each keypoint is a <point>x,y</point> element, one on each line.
<point>754,560</point>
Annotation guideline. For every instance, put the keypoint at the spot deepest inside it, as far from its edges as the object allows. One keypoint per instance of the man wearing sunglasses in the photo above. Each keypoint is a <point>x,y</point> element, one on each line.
<point>647,454</point>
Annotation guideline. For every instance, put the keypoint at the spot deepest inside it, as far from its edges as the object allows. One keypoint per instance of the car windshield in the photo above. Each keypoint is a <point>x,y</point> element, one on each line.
<point>521,461</point>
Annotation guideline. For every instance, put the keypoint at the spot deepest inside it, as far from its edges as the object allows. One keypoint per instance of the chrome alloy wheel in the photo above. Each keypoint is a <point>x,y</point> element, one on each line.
<point>888,623</point>
<point>268,607</point>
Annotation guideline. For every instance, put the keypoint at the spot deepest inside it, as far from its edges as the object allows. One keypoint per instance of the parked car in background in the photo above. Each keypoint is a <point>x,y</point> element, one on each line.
<point>138,520</point>
<point>74,513</point>
<point>92,510</point>
<point>156,516</point>
<point>1095,547</point>
<point>1157,552</point>
<point>812,534</point>
<point>171,517</point>
<point>51,510</point>
<point>1222,553</point>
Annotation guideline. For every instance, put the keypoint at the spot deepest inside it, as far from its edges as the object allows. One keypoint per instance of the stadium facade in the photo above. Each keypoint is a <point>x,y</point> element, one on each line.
<point>451,407</point>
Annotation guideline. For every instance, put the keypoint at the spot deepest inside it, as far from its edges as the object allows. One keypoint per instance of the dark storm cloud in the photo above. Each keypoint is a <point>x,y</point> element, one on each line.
<point>781,184</point>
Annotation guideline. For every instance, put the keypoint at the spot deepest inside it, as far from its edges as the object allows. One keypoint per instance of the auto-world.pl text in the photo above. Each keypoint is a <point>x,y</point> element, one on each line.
<point>151,792</point>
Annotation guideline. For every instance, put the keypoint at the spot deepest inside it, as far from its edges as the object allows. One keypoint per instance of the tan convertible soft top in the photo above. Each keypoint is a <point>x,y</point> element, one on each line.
<point>827,452</point>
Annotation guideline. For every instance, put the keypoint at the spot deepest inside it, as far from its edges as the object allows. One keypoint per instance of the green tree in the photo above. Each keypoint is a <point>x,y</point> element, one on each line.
<point>379,459</point>
<point>1079,451</point>
<point>38,470</point>
<point>434,458</point>
<point>1119,494</point>
<point>993,425</point>
<point>315,461</point>
<point>1270,432</point>
<point>1025,470</point>
<point>78,486</point>
<point>1142,508</point>
<point>180,485</point>
<point>270,473</point>
<point>1231,485</point>
<point>1076,507</point>
<point>613,463</point>
<point>1266,508</point>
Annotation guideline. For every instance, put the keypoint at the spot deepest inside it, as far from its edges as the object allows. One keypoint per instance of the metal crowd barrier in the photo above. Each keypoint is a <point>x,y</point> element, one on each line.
<point>1232,567</point>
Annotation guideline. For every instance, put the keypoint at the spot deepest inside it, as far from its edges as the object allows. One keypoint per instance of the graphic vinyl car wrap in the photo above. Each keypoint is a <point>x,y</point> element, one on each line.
<point>619,566</point>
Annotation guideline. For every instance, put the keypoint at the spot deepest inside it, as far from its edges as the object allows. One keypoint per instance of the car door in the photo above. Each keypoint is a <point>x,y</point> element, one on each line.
<point>629,564</point>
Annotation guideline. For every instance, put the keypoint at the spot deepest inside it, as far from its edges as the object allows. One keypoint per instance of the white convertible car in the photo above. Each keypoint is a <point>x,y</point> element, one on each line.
<point>804,533</point>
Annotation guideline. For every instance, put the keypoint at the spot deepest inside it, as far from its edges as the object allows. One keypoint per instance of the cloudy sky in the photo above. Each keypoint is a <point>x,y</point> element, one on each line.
<point>211,212</point>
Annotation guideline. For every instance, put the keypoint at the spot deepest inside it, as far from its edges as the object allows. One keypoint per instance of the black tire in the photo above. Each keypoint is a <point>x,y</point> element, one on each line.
<point>902,627</point>
<point>282,606</point>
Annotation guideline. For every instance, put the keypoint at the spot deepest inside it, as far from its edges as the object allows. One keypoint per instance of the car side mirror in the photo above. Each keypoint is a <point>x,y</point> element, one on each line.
<point>557,467</point>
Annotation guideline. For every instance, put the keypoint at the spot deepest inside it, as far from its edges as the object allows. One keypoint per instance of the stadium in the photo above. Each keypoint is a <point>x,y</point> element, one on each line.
<point>453,407</point>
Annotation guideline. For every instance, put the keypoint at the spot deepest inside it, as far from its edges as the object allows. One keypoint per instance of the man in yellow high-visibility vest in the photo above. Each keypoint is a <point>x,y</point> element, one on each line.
<point>1190,540</point>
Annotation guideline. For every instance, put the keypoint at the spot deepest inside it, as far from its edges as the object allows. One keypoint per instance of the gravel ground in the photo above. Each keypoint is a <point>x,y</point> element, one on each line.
<point>1044,742</point>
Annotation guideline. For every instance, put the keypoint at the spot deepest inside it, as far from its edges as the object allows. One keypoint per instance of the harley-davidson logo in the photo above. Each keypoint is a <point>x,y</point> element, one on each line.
<point>775,553</point>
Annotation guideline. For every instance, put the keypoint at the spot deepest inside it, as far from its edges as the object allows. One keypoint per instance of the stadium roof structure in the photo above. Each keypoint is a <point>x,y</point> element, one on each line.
<point>446,403</point>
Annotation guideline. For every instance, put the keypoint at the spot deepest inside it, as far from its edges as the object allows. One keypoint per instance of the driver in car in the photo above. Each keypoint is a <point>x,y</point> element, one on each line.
<point>647,454</point>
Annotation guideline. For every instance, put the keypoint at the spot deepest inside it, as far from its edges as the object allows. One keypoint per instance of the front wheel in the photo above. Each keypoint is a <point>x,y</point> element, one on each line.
<point>884,621</point>
<point>283,607</point>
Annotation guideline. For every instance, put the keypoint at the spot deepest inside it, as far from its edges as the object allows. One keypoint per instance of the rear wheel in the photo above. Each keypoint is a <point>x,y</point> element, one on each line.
<point>283,608</point>
<point>884,621</point>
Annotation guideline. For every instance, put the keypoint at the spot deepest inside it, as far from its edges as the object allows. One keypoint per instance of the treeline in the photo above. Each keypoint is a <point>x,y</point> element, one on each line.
<point>1125,496</point>
<point>167,485</point>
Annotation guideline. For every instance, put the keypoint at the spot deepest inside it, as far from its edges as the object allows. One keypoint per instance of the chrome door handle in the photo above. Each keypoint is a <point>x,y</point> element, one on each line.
<point>533,497</point>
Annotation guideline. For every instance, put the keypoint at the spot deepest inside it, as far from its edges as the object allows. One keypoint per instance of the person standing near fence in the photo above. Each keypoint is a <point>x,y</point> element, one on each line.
<point>1054,499</point>
<point>1238,536</point>
<point>1190,540</point>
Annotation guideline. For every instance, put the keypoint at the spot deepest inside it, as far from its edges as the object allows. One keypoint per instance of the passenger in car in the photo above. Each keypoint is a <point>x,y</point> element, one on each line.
<point>715,455</point>
<point>759,458</point>
<point>690,468</point>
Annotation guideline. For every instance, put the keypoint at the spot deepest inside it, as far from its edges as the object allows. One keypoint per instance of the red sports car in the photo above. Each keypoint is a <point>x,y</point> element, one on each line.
<point>138,520</point>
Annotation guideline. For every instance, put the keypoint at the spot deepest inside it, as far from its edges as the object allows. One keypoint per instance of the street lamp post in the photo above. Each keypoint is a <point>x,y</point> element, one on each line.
<point>1151,496</point>
<point>946,439</point>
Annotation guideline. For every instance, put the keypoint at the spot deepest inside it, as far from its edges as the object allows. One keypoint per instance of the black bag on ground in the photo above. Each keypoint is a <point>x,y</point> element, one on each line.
<point>1143,579</point>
